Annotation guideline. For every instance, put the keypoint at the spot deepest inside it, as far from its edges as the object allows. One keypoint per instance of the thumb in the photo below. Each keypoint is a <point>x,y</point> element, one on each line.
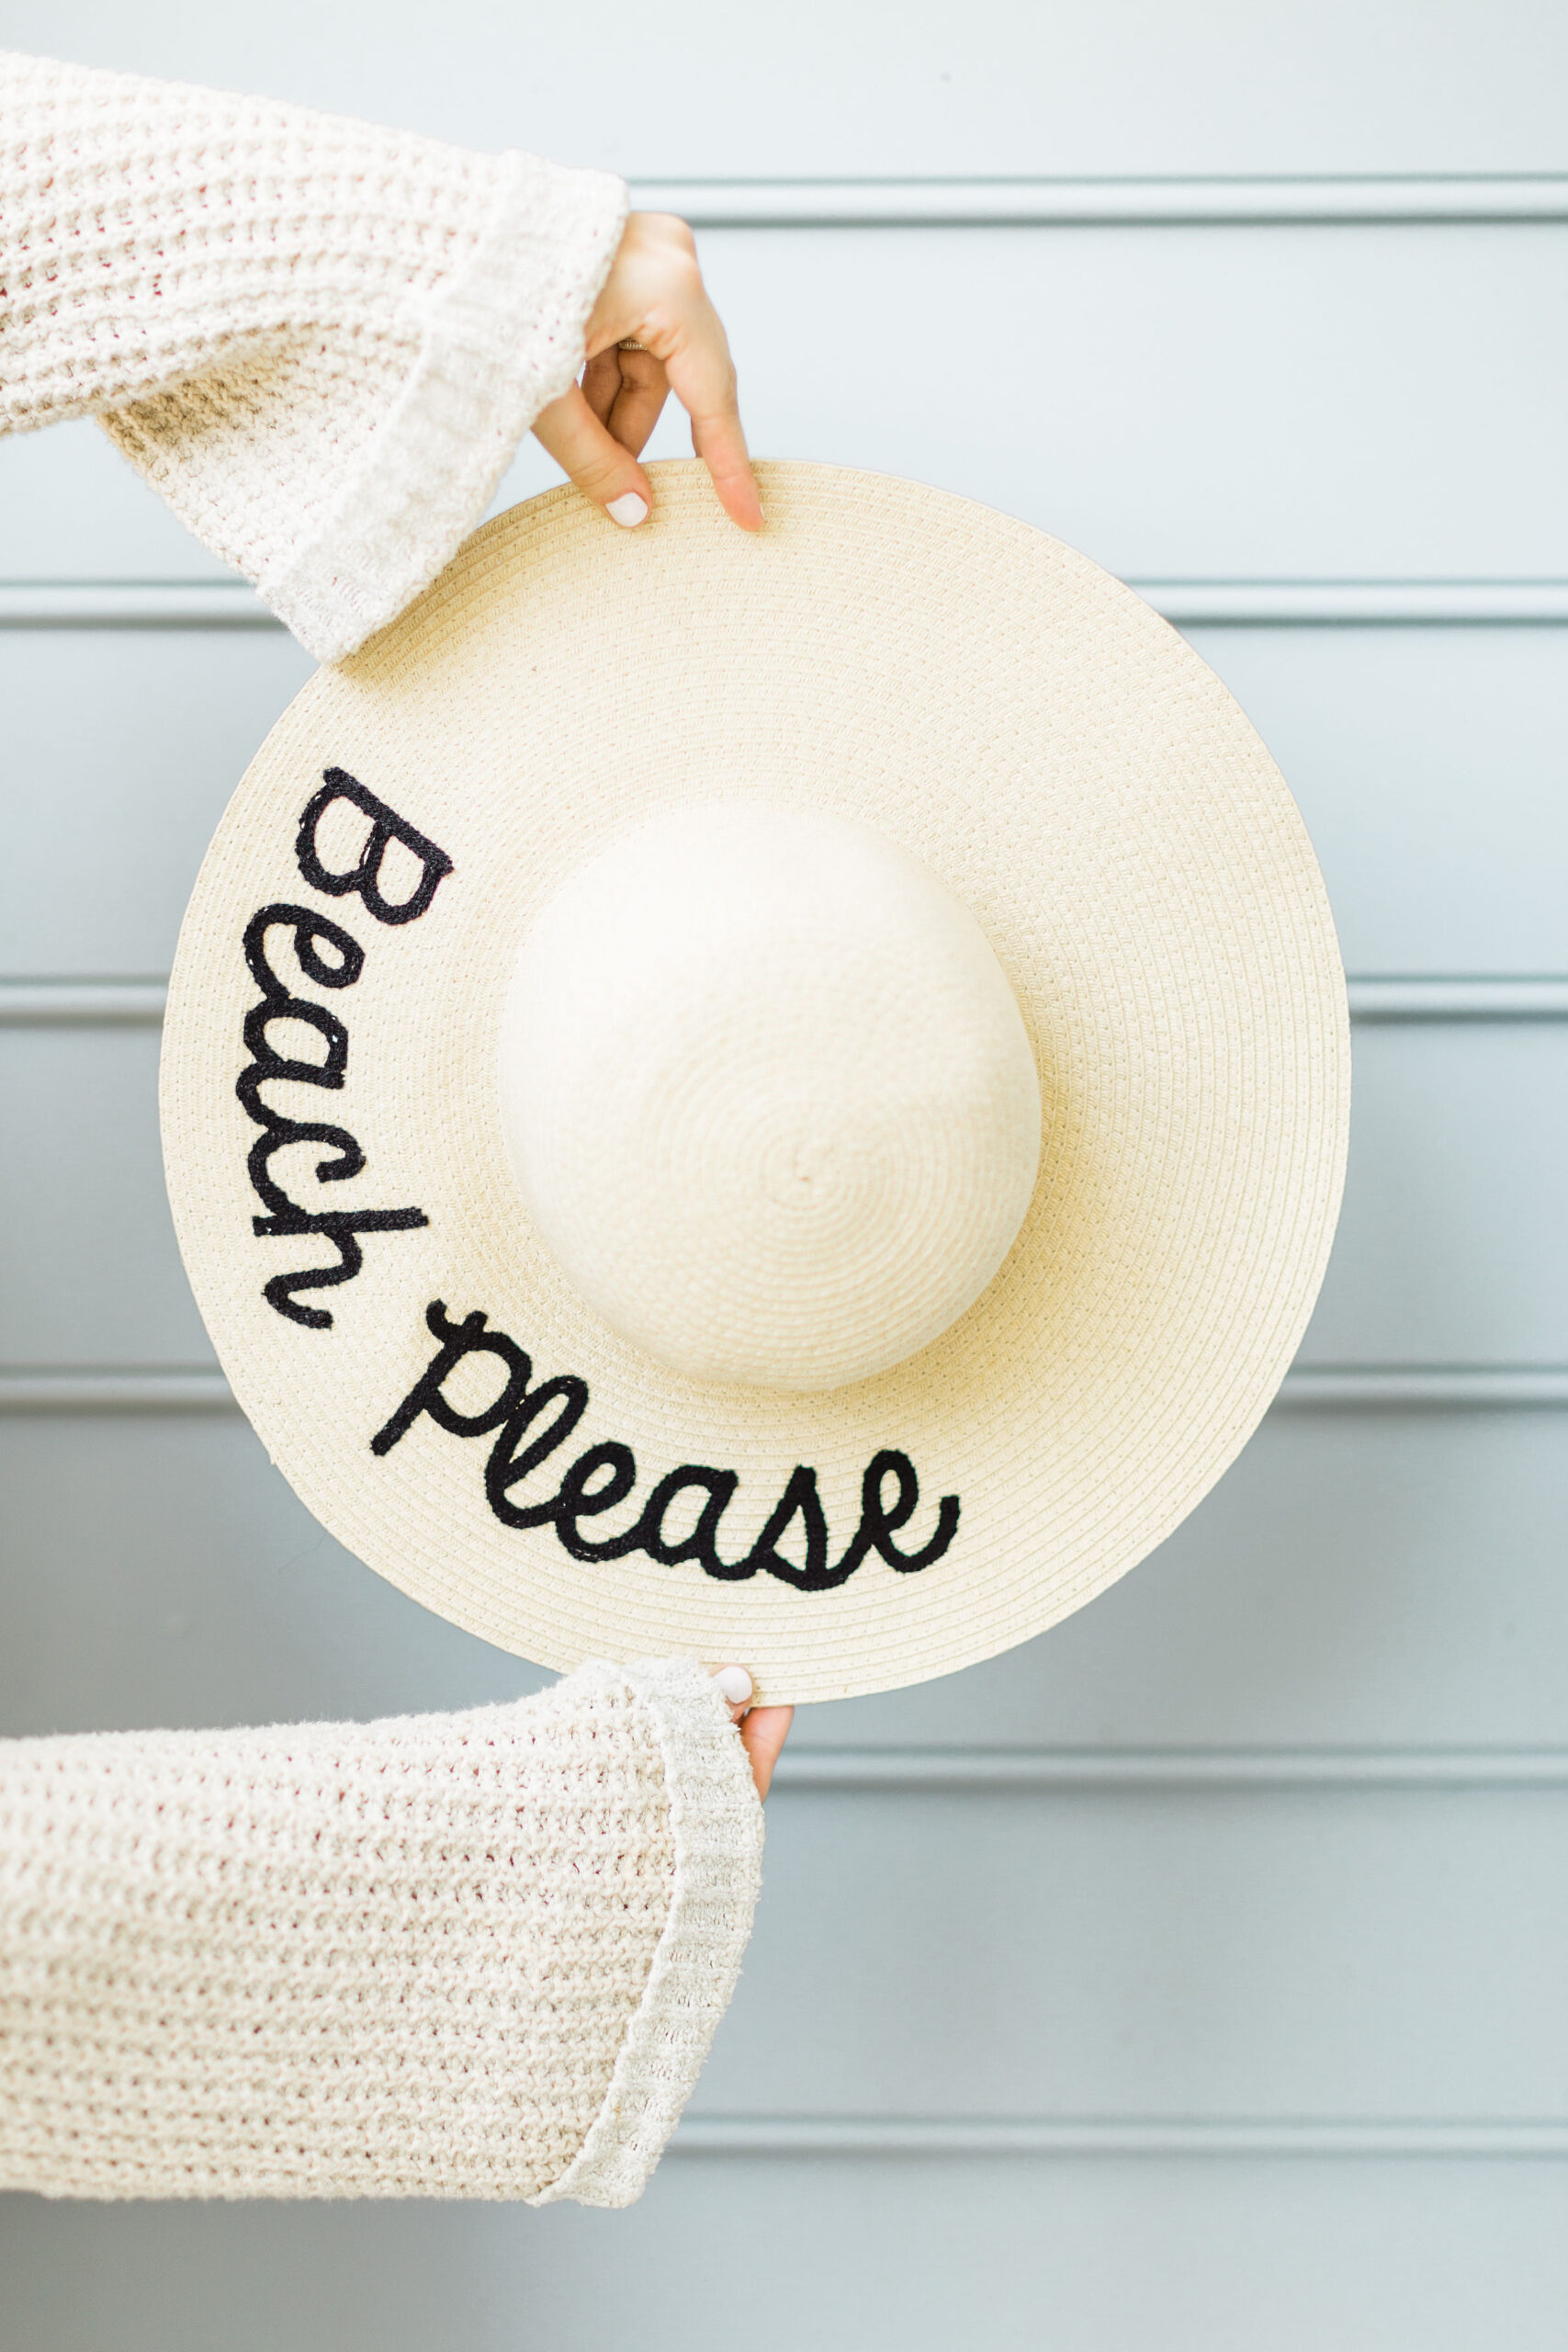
<point>589,453</point>
<point>763,1733</point>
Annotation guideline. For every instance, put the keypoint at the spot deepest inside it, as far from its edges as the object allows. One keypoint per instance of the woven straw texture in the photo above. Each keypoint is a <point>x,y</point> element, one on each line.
<point>1050,749</point>
<point>471,1955</point>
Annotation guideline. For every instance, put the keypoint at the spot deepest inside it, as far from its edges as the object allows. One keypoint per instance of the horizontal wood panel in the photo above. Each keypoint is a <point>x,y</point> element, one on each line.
<point>162,1572</point>
<point>1354,1581</point>
<point>77,510</point>
<point>922,88</point>
<point>1029,201</point>
<point>1451,1249</point>
<point>233,603</point>
<point>90,1270</point>
<point>122,749</point>
<point>1181,402</point>
<point>1429,764</point>
<point>845,2256</point>
<point>1142,1953</point>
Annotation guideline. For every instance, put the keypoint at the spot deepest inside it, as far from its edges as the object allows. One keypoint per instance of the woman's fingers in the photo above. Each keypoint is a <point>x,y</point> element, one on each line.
<point>701,378</point>
<point>762,1729</point>
<point>762,1735</point>
<point>654,295</point>
<point>626,391</point>
<point>735,1687</point>
<point>589,453</point>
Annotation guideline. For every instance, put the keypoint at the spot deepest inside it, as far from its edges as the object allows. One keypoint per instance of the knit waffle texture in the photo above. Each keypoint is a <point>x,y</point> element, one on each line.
<point>321,341</point>
<point>477,1955</point>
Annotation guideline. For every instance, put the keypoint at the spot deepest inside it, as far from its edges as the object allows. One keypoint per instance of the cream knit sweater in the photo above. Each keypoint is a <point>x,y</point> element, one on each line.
<point>321,341</point>
<point>474,1955</point>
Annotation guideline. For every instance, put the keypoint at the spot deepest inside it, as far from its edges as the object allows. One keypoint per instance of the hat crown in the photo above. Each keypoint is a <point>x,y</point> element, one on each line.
<point>768,1096</point>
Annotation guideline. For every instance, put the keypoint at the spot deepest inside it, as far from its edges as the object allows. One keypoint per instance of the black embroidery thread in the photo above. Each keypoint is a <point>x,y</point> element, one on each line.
<point>342,1228</point>
<point>605,1475</point>
<point>878,1524</point>
<point>507,1468</point>
<point>386,826</point>
<point>579,1498</point>
<point>458,1339</point>
<point>800,1500</point>
<point>701,1544</point>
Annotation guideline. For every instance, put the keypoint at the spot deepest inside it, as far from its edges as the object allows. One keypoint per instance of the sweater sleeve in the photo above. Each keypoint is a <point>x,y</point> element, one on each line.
<point>321,341</point>
<point>478,1955</point>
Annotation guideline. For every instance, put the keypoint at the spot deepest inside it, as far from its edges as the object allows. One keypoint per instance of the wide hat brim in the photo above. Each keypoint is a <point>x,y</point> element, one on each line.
<point>1050,747</point>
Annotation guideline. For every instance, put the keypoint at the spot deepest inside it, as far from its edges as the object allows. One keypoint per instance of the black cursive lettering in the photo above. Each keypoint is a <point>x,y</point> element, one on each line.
<point>457,1339</point>
<point>701,1544</point>
<point>800,1500</point>
<point>313,934</point>
<point>878,1523</point>
<point>579,1497</point>
<point>507,1467</point>
<point>605,1475</point>
<point>364,876</point>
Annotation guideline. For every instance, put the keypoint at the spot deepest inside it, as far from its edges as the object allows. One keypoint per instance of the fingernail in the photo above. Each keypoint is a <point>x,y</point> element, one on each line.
<point>735,1684</point>
<point>628,510</point>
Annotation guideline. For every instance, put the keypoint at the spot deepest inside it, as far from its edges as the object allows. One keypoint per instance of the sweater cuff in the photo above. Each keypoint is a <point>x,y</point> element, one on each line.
<point>717,1819</point>
<point>498,342</point>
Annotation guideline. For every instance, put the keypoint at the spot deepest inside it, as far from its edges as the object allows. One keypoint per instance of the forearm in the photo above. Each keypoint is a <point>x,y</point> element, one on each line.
<point>151,232</point>
<point>319,340</point>
<point>474,1955</point>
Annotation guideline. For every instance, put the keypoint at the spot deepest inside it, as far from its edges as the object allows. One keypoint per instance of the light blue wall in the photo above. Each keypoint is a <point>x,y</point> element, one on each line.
<point>1191,1979</point>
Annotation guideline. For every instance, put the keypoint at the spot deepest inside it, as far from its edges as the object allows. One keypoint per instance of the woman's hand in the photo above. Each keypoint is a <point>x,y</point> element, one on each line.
<point>654,296</point>
<point>763,1730</point>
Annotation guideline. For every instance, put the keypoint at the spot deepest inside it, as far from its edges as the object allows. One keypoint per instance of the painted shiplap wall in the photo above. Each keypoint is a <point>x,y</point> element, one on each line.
<point>892,88</point>
<point>1191,1977</point>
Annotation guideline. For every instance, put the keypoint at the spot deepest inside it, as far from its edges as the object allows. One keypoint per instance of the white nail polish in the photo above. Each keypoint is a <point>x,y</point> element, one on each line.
<point>734,1684</point>
<point>628,510</point>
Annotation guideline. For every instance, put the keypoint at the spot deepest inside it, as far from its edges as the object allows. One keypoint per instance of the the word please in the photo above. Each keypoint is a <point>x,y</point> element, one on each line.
<point>531,1420</point>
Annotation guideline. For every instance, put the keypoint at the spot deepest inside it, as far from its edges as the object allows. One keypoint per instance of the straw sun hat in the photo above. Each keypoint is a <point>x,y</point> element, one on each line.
<point>779,1098</point>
